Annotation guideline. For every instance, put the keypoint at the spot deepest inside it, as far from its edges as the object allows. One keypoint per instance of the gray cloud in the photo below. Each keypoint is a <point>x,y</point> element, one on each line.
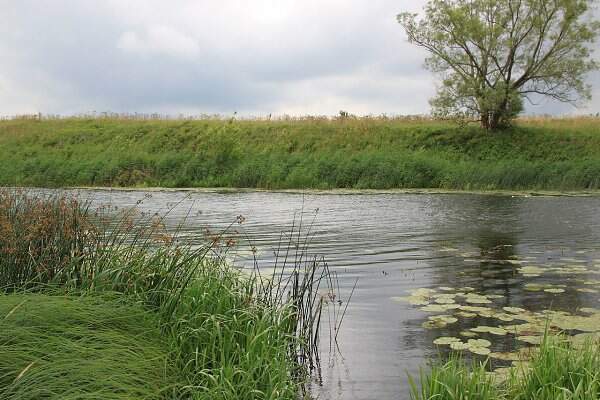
<point>194,56</point>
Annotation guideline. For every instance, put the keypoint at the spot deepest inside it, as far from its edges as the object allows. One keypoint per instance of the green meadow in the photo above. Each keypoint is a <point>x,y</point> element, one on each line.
<point>300,153</point>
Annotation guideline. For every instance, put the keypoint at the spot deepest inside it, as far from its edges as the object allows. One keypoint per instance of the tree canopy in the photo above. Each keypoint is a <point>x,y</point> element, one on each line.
<point>492,55</point>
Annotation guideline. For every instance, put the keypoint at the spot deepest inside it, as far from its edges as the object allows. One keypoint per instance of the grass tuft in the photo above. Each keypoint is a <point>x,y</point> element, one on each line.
<point>559,371</point>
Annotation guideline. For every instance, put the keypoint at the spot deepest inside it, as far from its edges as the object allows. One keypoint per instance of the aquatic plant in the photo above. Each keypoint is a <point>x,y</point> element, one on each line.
<point>558,371</point>
<point>227,333</point>
<point>454,380</point>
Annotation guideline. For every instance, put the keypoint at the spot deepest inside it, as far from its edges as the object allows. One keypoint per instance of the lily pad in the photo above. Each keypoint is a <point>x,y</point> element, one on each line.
<point>505,356</point>
<point>484,351</point>
<point>445,340</point>
<point>530,339</point>
<point>479,299</point>
<point>445,300</point>
<point>514,310</point>
<point>479,343</point>
<point>504,317</point>
<point>466,314</point>
<point>433,308</point>
<point>448,319</point>
<point>459,346</point>
<point>489,329</point>
<point>554,290</point>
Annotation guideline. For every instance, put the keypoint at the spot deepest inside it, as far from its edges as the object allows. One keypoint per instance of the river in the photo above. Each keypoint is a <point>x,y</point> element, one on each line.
<point>397,243</point>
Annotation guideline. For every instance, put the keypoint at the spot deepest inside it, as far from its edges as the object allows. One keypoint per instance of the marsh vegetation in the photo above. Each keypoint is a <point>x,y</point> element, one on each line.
<point>98,305</point>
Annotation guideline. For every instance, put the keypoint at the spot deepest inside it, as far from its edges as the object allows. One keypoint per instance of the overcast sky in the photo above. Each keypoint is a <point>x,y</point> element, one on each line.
<point>207,56</point>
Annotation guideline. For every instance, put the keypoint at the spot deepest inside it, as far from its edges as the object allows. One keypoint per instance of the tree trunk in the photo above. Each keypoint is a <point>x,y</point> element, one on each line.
<point>490,121</point>
<point>485,120</point>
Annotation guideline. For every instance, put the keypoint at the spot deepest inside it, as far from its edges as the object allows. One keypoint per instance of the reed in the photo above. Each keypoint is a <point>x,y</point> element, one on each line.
<point>558,371</point>
<point>228,334</point>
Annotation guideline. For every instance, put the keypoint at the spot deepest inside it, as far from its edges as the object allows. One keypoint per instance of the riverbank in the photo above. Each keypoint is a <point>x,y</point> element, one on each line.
<point>93,305</point>
<point>348,153</point>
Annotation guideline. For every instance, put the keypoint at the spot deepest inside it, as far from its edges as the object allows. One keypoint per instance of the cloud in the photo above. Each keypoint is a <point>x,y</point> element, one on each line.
<point>259,57</point>
<point>160,40</point>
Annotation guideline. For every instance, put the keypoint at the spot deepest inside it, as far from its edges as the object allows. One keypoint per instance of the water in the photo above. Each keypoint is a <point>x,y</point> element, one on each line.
<point>398,242</point>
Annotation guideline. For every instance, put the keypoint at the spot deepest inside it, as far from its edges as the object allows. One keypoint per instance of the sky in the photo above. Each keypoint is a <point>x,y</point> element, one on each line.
<point>254,57</point>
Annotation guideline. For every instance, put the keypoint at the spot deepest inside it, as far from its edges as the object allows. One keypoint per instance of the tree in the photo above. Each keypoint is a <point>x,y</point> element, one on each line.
<point>491,55</point>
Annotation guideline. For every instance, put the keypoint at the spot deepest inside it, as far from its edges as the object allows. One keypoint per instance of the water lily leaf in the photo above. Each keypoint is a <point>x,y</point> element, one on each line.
<point>433,324</point>
<point>459,346</point>
<point>554,290</point>
<point>479,343</point>
<point>468,334</point>
<point>497,331</point>
<point>478,300</point>
<point>504,317</point>
<point>533,287</point>
<point>494,330</point>
<point>422,292</point>
<point>480,350</point>
<point>530,339</point>
<point>445,340</point>
<point>586,290</point>
<point>433,308</point>
<point>475,309</point>
<point>505,356</point>
<point>445,300</point>
<point>531,270</point>
<point>465,314</point>
<point>448,319</point>
<point>514,310</point>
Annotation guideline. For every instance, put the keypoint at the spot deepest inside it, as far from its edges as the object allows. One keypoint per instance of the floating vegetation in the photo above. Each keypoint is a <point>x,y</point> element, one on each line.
<point>479,343</point>
<point>445,340</point>
<point>468,305</point>
<point>530,339</point>
<point>439,321</point>
<point>558,370</point>
<point>477,346</point>
<point>514,310</point>
<point>494,330</point>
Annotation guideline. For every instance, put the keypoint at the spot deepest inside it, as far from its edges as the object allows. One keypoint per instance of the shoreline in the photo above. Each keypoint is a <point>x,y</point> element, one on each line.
<point>338,191</point>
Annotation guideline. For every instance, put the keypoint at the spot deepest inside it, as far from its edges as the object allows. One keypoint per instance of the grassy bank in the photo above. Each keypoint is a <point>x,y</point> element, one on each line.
<point>376,153</point>
<point>90,308</point>
<point>560,370</point>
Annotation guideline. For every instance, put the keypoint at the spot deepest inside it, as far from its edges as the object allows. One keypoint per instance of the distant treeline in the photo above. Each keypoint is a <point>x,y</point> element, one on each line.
<point>299,152</point>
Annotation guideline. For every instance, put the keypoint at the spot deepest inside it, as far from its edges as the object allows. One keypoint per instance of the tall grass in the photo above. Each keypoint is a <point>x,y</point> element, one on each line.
<point>559,371</point>
<point>455,380</point>
<point>229,335</point>
<point>67,347</point>
<point>317,152</point>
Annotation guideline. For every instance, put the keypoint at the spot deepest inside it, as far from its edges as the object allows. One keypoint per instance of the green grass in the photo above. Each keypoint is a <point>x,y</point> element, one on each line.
<point>89,307</point>
<point>81,348</point>
<point>559,371</point>
<point>377,153</point>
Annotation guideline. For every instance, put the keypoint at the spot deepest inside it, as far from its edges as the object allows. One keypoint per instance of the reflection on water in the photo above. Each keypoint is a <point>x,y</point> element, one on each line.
<point>396,243</point>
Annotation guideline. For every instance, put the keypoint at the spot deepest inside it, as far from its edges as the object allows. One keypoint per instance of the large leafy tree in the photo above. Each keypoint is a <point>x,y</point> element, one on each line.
<point>494,54</point>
